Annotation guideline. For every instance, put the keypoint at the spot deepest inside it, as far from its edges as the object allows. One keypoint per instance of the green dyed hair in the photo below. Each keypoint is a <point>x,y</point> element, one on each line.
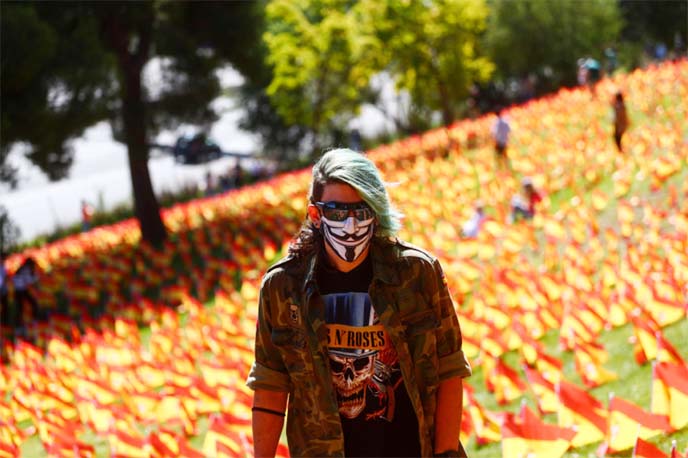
<point>346,166</point>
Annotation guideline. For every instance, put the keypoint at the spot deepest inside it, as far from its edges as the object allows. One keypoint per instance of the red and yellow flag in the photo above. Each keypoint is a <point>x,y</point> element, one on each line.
<point>626,420</point>
<point>526,436</point>
<point>581,411</point>
<point>644,449</point>
<point>670,393</point>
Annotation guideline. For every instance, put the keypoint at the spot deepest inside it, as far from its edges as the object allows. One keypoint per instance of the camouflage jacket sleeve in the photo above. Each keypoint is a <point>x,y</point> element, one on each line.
<point>451,358</point>
<point>268,371</point>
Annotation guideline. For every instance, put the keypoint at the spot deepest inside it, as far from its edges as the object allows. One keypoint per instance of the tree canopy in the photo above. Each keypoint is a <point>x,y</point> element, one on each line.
<point>308,66</point>
<point>9,233</point>
<point>434,52</point>
<point>323,54</point>
<point>544,36</point>
<point>67,65</point>
<point>55,82</point>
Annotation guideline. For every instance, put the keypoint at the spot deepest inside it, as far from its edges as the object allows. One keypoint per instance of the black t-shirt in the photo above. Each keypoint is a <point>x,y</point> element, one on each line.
<point>376,413</point>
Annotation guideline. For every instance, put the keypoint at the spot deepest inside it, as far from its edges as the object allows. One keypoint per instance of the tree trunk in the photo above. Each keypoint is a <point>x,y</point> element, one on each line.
<point>445,99</point>
<point>146,207</point>
<point>131,41</point>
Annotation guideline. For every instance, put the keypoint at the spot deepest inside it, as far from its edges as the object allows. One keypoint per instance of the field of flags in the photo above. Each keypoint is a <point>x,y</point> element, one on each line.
<point>574,322</point>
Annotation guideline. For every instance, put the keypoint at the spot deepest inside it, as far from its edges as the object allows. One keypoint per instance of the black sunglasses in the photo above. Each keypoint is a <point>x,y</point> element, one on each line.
<point>339,211</point>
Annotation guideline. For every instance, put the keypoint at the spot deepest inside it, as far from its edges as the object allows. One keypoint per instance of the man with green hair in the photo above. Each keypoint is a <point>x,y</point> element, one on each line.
<point>356,331</point>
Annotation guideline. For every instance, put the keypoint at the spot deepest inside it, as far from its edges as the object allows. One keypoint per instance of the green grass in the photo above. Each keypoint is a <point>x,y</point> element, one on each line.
<point>633,384</point>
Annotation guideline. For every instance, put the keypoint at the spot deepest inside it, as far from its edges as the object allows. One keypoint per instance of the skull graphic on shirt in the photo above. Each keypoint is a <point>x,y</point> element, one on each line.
<point>351,376</point>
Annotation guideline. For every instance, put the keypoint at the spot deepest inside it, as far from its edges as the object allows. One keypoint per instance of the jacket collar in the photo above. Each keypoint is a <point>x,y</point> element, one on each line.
<point>385,255</point>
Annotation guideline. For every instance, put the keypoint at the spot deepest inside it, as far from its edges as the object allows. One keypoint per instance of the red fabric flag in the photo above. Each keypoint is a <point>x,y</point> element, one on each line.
<point>550,367</point>
<point>123,444</point>
<point>486,423</point>
<point>645,330</point>
<point>187,451</point>
<point>581,411</point>
<point>51,425</point>
<point>506,382</point>
<point>666,311</point>
<point>159,448</point>
<point>9,450</point>
<point>589,367</point>
<point>530,348</point>
<point>218,433</point>
<point>674,451</point>
<point>544,390</point>
<point>645,449</point>
<point>627,420</point>
<point>282,451</point>
<point>666,353</point>
<point>68,445</point>
<point>670,393</point>
<point>527,435</point>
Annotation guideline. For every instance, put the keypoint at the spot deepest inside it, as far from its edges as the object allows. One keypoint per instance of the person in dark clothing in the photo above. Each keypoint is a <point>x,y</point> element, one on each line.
<point>357,334</point>
<point>24,278</point>
<point>620,119</point>
<point>5,315</point>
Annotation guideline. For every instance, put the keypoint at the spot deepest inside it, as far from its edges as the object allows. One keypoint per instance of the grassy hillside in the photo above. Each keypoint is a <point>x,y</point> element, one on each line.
<point>610,240</point>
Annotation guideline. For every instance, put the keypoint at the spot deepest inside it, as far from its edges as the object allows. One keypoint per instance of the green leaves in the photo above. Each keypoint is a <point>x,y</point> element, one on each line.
<point>435,49</point>
<point>325,52</point>
<point>527,35</point>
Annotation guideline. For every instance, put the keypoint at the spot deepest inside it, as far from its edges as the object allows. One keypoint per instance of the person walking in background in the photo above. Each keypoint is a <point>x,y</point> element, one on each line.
<point>237,175</point>
<point>24,278</point>
<point>594,73</point>
<point>86,216</point>
<point>500,133</point>
<point>582,74</point>
<point>5,315</point>
<point>355,140</point>
<point>620,119</point>
<point>471,228</point>
<point>209,189</point>
<point>524,206</point>
<point>357,331</point>
<point>611,60</point>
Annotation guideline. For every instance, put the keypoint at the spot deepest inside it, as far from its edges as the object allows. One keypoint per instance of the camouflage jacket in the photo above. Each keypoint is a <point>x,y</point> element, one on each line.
<point>409,295</point>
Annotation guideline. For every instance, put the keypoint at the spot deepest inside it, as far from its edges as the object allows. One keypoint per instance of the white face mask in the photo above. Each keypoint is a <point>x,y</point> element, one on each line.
<point>348,238</point>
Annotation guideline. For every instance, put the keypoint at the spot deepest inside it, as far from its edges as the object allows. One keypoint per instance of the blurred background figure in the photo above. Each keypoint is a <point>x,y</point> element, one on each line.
<point>620,119</point>
<point>86,215</point>
<point>582,75</point>
<point>209,183</point>
<point>610,60</point>
<point>355,140</point>
<point>500,133</point>
<point>24,278</point>
<point>471,228</point>
<point>524,206</point>
<point>594,72</point>
<point>237,175</point>
<point>679,46</point>
<point>4,294</point>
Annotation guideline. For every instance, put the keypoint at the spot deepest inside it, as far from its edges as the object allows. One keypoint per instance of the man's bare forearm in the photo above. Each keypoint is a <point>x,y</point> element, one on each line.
<point>268,420</point>
<point>448,414</point>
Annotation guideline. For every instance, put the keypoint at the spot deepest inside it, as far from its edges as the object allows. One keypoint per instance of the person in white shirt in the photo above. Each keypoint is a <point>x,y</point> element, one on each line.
<point>472,226</point>
<point>500,132</point>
